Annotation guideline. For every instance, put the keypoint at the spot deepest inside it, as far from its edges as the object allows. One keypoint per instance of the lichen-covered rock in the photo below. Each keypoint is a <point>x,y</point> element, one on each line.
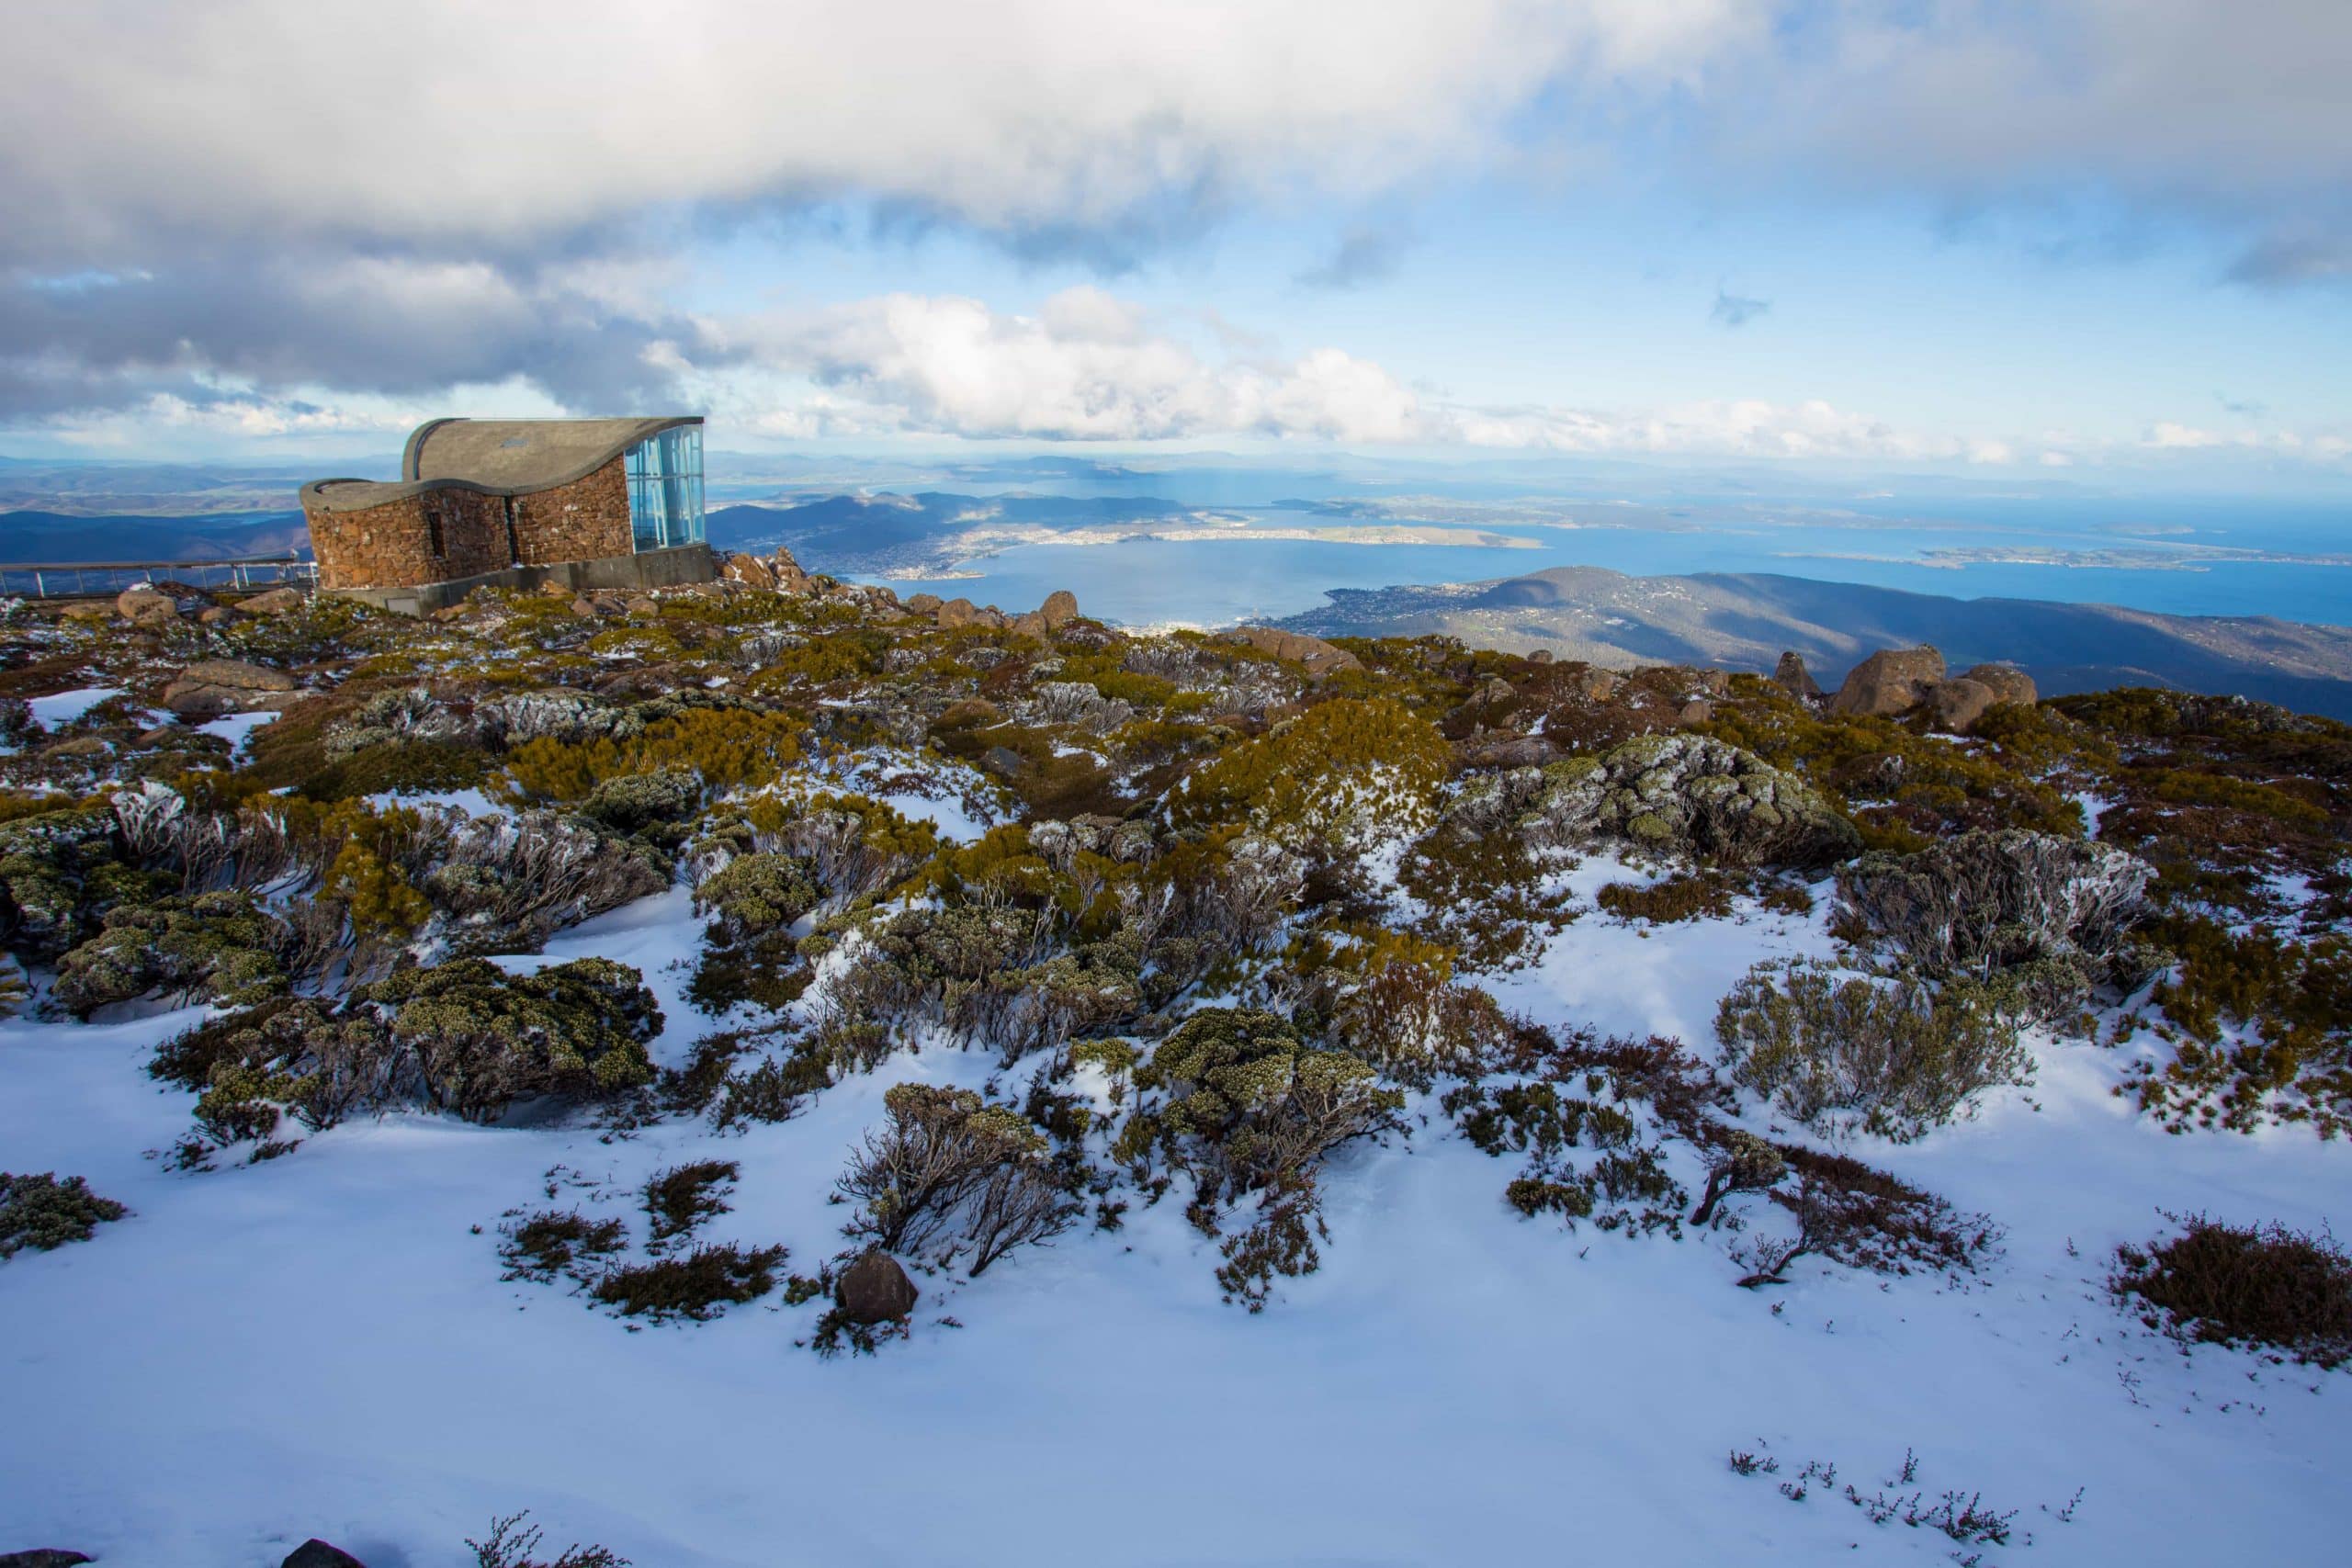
<point>273,602</point>
<point>1319,657</point>
<point>217,686</point>
<point>1792,676</point>
<point>1059,609</point>
<point>874,1289</point>
<point>1987,902</point>
<point>143,606</point>
<point>2008,683</point>
<point>1889,681</point>
<point>1688,795</point>
<point>1956,706</point>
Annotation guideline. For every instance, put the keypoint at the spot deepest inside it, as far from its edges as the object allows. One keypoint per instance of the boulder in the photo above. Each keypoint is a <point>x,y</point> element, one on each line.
<point>142,606</point>
<point>957,613</point>
<point>1956,706</point>
<point>874,1289</point>
<point>1596,685</point>
<point>1716,683</point>
<point>219,616</point>
<point>87,610</point>
<point>44,1557</point>
<point>1696,712</point>
<point>216,686</point>
<point>2010,683</point>
<point>1059,609</point>
<point>1889,681</point>
<point>1540,656</point>
<point>1688,795</point>
<point>1792,676</point>
<point>582,607</point>
<point>923,604</point>
<point>1507,751</point>
<point>1319,657</point>
<point>1031,624</point>
<point>317,1553</point>
<point>273,602</point>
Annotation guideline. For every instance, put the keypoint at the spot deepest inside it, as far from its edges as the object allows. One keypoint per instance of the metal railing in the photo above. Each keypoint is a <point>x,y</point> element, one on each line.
<point>90,580</point>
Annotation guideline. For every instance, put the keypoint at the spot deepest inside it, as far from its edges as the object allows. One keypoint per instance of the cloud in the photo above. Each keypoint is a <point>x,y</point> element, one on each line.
<point>437,121</point>
<point>1736,310</point>
<point>2178,111</point>
<point>2244,408</point>
<point>1365,255</point>
<point>1086,367</point>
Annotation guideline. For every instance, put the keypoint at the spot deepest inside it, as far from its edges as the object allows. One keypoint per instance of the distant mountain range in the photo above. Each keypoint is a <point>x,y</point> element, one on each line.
<point>67,536</point>
<point>1744,621</point>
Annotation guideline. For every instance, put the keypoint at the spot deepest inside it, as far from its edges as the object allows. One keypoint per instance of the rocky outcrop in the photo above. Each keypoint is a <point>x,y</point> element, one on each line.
<point>44,1557</point>
<point>1059,609</point>
<point>1670,793</point>
<point>1319,657</point>
<point>1795,677</point>
<point>216,686</point>
<point>317,1553</point>
<point>775,573</point>
<point>2008,683</point>
<point>273,602</point>
<point>1889,681</point>
<point>1956,706</point>
<point>874,1289</point>
<point>143,606</point>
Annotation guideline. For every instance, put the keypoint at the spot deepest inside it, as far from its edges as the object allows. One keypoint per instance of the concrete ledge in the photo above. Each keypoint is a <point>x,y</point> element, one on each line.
<point>674,568</point>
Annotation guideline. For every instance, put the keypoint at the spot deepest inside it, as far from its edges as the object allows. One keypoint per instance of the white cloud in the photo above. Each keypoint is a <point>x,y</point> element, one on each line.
<point>441,119</point>
<point>1090,366</point>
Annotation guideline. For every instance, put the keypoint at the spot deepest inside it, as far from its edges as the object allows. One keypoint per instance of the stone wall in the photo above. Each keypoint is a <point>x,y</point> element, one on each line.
<point>426,538</point>
<point>585,520</point>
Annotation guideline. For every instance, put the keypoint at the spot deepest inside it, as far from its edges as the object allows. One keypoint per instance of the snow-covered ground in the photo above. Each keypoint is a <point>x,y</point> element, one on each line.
<point>321,1344</point>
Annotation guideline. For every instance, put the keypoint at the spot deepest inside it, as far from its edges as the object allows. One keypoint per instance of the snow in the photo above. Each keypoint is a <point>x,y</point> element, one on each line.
<point>321,1344</point>
<point>64,707</point>
<point>472,802</point>
<point>236,728</point>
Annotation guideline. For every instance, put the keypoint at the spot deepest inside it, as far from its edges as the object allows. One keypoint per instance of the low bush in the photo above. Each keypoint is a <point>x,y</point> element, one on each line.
<point>511,1544</point>
<point>1840,1056</point>
<point>697,1287</point>
<point>2266,1285</point>
<point>222,947</point>
<point>1863,1218</point>
<point>1249,1103</point>
<point>681,1198</point>
<point>44,1214</point>
<point>1690,897</point>
<point>557,1241</point>
<point>950,1177</point>
<point>484,1038</point>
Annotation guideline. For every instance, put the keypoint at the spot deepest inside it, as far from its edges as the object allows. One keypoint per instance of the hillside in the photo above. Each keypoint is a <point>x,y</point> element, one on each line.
<point>685,1066</point>
<point>1744,621</point>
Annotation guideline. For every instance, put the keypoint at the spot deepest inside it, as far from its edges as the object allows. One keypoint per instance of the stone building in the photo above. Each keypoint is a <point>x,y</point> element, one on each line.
<point>583,504</point>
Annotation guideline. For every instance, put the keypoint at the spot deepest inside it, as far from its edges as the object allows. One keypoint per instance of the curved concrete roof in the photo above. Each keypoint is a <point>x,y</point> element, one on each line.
<point>495,457</point>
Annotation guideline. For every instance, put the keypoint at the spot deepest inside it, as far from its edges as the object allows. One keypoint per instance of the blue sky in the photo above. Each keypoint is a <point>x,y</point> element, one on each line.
<point>2104,239</point>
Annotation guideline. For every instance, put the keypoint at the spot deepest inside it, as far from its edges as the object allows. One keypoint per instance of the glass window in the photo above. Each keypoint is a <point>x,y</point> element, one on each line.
<point>665,488</point>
